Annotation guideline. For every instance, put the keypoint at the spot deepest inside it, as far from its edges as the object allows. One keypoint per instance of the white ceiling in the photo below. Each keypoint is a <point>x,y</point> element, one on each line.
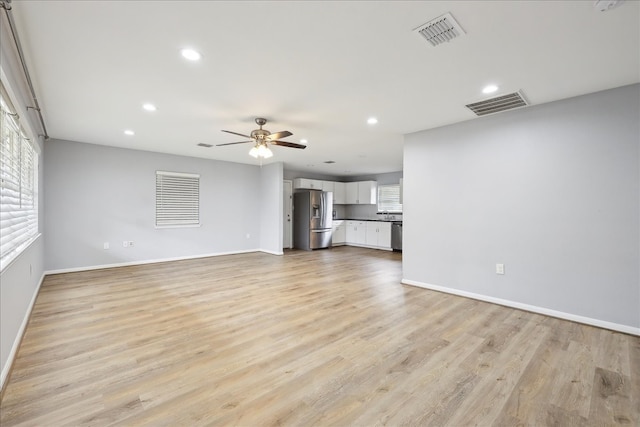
<point>316,68</point>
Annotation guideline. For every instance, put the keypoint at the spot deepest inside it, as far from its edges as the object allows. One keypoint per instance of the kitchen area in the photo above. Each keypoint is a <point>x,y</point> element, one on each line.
<point>365,213</point>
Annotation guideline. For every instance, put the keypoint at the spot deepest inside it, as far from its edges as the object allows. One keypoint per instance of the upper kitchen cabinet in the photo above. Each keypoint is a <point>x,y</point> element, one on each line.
<point>339,193</point>
<point>344,193</point>
<point>361,193</point>
<point>307,184</point>
<point>367,192</point>
<point>328,186</point>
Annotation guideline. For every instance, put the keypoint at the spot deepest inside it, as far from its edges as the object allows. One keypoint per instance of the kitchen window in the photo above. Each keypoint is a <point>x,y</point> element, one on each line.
<point>177,199</point>
<point>389,198</point>
<point>18,185</point>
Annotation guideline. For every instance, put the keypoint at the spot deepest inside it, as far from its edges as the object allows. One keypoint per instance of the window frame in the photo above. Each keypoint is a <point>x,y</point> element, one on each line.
<point>19,181</point>
<point>397,209</point>
<point>183,195</point>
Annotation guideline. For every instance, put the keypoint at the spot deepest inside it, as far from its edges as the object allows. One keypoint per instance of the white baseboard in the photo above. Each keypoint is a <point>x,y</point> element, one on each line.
<point>4,375</point>
<point>271,252</point>
<point>526,307</point>
<point>151,261</point>
<point>358,245</point>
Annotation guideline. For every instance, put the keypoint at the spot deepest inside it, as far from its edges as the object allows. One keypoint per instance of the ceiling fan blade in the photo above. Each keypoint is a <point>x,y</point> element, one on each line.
<point>278,135</point>
<point>232,143</point>
<point>236,133</point>
<point>288,144</point>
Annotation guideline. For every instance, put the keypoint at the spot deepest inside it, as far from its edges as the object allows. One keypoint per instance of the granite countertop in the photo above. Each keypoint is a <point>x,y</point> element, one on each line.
<point>367,219</point>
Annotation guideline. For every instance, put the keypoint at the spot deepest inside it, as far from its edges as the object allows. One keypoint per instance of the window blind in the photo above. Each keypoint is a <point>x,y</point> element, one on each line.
<point>18,186</point>
<point>389,198</point>
<point>177,199</point>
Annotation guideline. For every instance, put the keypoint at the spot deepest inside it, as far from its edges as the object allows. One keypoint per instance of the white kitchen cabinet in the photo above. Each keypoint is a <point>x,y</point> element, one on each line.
<point>328,186</point>
<point>339,193</point>
<point>339,234</point>
<point>384,235</point>
<point>378,234</point>
<point>372,233</point>
<point>367,192</point>
<point>361,193</point>
<point>344,193</point>
<point>307,184</point>
<point>351,193</point>
<point>356,233</point>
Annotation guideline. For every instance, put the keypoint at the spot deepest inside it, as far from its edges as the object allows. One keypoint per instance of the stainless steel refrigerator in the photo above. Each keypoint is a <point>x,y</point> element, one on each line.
<point>312,212</point>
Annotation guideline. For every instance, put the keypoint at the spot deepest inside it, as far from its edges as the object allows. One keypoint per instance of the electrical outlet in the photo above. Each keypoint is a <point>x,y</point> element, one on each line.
<point>248,236</point>
<point>105,245</point>
<point>130,243</point>
<point>125,244</point>
<point>499,268</point>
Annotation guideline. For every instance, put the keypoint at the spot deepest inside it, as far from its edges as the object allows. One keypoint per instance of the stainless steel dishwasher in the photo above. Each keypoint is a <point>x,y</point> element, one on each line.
<point>396,236</point>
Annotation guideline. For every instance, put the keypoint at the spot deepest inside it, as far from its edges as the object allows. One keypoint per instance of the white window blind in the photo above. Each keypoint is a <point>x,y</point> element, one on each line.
<point>177,199</point>
<point>389,198</point>
<point>18,186</point>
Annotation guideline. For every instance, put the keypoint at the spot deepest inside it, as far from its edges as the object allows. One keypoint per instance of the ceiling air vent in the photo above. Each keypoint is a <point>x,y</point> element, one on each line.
<point>442,29</point>
<point>497,104</point>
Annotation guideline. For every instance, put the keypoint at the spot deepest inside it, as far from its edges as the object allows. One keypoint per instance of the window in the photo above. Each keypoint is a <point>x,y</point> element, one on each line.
<point>177,199</point>
<point>18,185</point>
<point>389,198</point>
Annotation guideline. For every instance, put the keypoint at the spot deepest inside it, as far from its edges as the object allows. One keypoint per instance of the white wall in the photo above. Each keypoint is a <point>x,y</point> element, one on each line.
<point>271,208</point>
<point>20,280</point>
<point>552,191</point>
<point>97,194</point>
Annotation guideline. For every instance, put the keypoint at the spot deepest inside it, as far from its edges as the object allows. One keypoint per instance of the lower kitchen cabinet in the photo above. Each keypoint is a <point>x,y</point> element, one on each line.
<point>356,232</point>
<point>379,234</point>
<point>370,234</point>
<point>339,233</point>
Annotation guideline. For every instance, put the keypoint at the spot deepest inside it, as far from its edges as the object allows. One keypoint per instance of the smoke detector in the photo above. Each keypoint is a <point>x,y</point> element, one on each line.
<point>497,104</point>
<point>442,29</point>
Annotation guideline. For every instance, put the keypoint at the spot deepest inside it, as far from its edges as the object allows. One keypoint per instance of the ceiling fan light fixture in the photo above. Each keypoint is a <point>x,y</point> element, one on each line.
<point>265,152</point>
<point>260,150</point>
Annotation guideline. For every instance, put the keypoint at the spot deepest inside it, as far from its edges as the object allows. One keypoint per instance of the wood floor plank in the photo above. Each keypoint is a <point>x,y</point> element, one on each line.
<point>327,337</point>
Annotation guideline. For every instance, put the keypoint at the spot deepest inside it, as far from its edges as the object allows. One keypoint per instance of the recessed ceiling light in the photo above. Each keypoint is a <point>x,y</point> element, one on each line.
<point>372,120</point>
<point>129,132</point>
<point>191,55</point>
<point>149,107</point>
<point>303,141</point>
<point>489,89</point>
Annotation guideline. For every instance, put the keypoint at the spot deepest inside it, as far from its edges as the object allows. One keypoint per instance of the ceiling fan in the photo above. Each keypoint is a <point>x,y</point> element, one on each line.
<point>262,138</point>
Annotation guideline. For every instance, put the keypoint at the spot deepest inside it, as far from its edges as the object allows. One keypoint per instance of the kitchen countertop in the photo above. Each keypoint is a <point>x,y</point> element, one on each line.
<point>362,219</point>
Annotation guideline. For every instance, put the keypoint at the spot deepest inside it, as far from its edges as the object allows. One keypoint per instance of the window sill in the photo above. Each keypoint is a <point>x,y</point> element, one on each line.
<point>15,254</point>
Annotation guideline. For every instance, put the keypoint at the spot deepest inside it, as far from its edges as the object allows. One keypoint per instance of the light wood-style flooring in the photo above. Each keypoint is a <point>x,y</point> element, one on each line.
<point>328,338</point>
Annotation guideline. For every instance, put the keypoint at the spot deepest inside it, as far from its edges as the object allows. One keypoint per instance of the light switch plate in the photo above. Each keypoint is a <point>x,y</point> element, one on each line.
<point>499,268</point>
